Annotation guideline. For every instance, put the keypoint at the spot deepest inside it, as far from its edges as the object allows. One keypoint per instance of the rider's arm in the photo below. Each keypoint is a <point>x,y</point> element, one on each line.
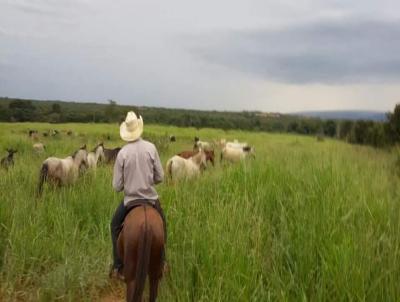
<point>118,178</point>
<point>158,170</point>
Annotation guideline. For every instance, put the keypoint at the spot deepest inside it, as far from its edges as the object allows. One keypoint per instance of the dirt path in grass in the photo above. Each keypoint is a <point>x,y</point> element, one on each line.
<point>112,298</point>
<point>115,294</point>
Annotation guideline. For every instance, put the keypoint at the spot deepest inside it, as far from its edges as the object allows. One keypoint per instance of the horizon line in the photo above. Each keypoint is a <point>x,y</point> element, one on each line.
<point>194,109</point>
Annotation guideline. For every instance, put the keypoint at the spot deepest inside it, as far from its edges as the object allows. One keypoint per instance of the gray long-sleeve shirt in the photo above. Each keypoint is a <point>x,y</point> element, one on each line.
<point>137,169</point>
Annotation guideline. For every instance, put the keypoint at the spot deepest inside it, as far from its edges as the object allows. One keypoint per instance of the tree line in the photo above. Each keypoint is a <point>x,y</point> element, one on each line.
<point>378,134</point>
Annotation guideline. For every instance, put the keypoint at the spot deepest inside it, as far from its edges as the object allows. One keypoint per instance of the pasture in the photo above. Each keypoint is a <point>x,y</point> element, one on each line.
<point>303,221</point>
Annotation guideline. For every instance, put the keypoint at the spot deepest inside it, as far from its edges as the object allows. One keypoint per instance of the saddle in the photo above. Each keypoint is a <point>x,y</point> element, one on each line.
<point>139,202</point>
<point>143,202</point>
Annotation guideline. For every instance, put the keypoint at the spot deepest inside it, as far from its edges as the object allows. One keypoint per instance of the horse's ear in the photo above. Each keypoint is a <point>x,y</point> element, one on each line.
<point>83,147</point>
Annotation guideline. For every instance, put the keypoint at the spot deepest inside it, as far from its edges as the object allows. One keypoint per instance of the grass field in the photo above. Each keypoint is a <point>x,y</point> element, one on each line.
<point>304,221</point>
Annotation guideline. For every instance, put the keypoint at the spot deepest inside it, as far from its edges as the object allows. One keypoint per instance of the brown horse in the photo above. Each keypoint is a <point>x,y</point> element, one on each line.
<point>110,155</point>
<point>209,155</point>
<point>141,246</point>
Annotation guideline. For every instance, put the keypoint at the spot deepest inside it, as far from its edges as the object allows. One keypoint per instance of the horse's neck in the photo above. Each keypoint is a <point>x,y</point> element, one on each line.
<point>68,163</point>
<point>197,158</point>
<point>77,161</point>
<point>95,154</point>
<point>98,152</point>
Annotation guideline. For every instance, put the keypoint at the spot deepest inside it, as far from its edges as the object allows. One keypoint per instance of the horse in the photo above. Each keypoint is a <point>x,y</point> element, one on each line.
<point>8,161</point>
<point>32,132</point>
<point>62,171</point>
<point>141,245</point>
<point>39,147</point>
<point>206,146</point>
<point>220,143</point>
<point>34,135</point>
<point>95,155</point>
<point>236,144</point>
<point>179,168</point>
<point>236,154</point>
<point>111,154</point>
<point>209,155</point>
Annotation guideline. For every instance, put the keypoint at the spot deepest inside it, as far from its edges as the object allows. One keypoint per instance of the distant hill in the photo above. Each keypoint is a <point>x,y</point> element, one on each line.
<point>345,115</point>
<point>54,111</point>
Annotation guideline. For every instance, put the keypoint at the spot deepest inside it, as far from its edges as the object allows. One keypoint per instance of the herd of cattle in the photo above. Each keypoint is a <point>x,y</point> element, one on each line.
<point>184,165</point>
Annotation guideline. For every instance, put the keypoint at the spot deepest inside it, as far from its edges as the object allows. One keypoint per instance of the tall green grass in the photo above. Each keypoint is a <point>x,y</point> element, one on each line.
<point>305,220</point>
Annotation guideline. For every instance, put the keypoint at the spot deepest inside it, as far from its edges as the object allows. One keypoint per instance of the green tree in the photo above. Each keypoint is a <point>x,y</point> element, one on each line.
<point>22,110</point>
<point>345,128</point>
<point>293,126</point>
<point>376,135</point>
<point>361,132</point>
<point>56,108</point>
<point>111,112</point>
<point>393,125</point>
<point>329,128</point>
<point>4,113</point>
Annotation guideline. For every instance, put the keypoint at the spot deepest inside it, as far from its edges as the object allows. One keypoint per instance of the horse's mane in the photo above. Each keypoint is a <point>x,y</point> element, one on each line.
<point>76,152</point>
<point>198,155</point>
<point>97,147</point>
<point>114,149</point>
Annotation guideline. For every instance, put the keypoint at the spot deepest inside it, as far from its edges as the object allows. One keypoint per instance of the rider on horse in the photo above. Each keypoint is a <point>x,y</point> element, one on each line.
<point>137,170</point>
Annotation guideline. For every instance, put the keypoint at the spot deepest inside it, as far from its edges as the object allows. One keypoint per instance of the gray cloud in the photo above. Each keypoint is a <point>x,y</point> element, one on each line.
<point>335,52</point>
<point>60,11</point>
<point>132,51</point>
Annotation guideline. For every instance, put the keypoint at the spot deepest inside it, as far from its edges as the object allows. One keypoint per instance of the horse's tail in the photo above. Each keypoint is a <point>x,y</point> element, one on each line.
<point>169,169</point>
<point>42,177</point>
<point>143,260</point>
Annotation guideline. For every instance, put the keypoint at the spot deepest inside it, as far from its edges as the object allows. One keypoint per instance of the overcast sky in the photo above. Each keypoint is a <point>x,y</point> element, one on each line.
<point>264,55</point>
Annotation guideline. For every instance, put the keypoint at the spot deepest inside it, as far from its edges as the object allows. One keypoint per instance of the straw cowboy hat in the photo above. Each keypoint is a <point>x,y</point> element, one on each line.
<point>132,128</point>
